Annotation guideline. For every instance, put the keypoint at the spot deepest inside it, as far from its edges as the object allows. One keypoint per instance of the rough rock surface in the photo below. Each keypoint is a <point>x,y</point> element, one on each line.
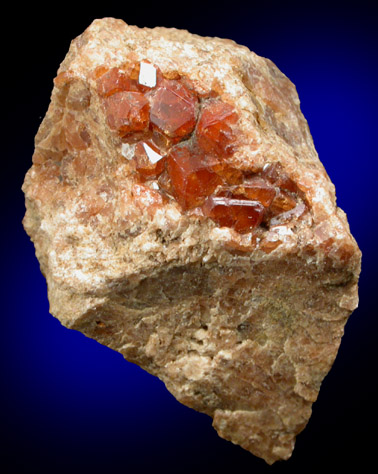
<point>241,322</point>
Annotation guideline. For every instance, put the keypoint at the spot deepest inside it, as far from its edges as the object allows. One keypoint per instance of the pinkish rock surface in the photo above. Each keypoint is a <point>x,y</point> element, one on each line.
<point>181,216</point>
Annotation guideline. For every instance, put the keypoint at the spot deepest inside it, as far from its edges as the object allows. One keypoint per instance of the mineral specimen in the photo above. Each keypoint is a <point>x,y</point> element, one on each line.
<point>181,216</point>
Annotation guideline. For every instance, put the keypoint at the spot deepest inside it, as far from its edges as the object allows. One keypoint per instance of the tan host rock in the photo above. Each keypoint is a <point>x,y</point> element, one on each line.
<point>182,217</point>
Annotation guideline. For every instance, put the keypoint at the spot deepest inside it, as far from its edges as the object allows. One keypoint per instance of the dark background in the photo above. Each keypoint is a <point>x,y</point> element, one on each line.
<point>68,404</point>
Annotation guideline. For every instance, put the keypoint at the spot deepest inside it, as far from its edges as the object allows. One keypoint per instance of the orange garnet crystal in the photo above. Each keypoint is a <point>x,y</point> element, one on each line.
<point>257,189</point>
<point>127,112</point>
<point>191,180</point>
<point>241,214</point>
<point>214,129</point>
<point>149,162</point>
<point>173,109</point>
<point>113,81</point>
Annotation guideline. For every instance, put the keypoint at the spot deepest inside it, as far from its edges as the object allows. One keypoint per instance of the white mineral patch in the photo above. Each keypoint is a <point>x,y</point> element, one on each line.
<point>147,75</point>
<point>282,230</point>
<point>152,155</point>
<point>173,214</point>
<point>321,196</point>
<point>127,151</point>
<point>224,354</point>
<point>191,366</point>
<point>221,233</point>
<point>148,246</point>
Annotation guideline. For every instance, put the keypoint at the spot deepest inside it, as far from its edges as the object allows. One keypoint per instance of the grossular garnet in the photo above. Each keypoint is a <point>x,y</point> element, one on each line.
<point>149,162</point>
<point>173,109</point>
<point>191,180</point>
<point>283,202</point>
<point>241,214</point>
<point>256,189</point>
<point>215,128</point>
<point>113,81</point>
<point>274,174</point>
<point>127,112</point>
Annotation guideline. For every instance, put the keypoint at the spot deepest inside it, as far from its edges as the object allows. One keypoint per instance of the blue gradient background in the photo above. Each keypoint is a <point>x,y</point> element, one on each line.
<point>71,405</point>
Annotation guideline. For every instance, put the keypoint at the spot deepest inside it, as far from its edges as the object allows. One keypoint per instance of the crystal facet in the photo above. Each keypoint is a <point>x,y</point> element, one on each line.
<point>257,189</point>
<point>173,109</point>
<point>241,214</point>
<point>127,112</point>
<point>147,74</point>
<point>190,178</point>
<point>114,81</point>
<point>283,202</point>
<point>214,129</point>
<point>149,163</point>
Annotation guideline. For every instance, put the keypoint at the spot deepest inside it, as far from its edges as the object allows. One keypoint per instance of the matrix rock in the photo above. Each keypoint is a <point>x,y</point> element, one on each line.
<point>181,216</point>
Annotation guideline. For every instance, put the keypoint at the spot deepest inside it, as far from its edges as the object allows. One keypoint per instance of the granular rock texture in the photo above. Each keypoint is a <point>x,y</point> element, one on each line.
<point>182,217</point>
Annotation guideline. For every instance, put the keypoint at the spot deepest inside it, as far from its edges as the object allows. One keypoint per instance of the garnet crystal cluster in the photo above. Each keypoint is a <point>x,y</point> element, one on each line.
<point>183,142</point>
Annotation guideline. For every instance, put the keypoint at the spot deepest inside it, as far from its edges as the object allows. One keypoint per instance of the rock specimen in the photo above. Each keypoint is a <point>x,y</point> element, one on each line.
<point>181,216</point>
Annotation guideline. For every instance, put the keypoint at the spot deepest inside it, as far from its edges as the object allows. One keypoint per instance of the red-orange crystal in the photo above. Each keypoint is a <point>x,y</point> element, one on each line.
<point>147,168</point>
<point>114,81</point>
<point>241,214</point>
<point>127,112</point>
<point>173,109</point>
<point>228,174</point>
<point>190,178</point>
<point>214,130</point>
<point>274,173</point>
<point>282,203</point>
<point>257,189</point>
